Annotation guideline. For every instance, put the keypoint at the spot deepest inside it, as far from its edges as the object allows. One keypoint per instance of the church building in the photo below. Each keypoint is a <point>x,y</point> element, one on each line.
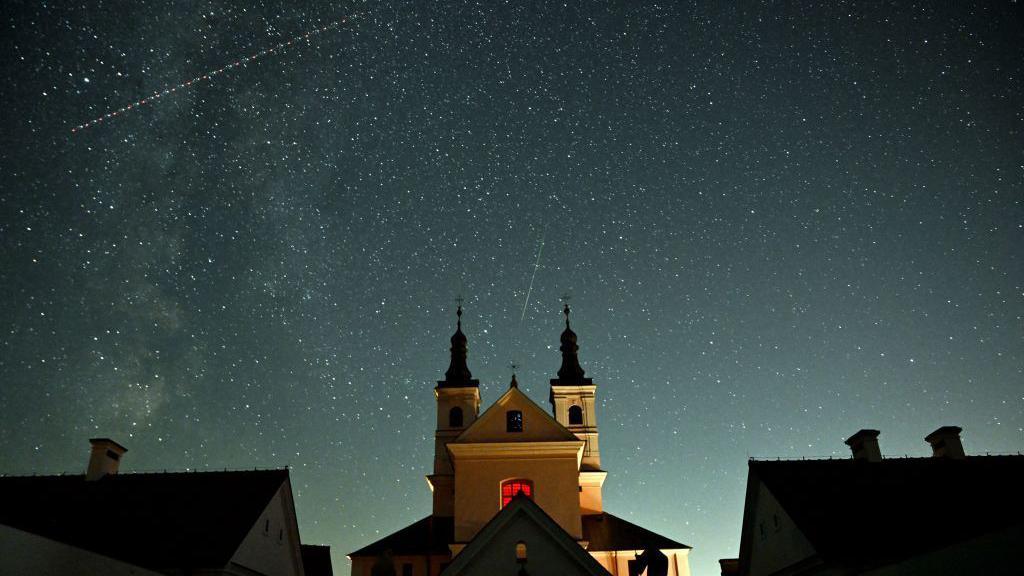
<point>517,490</point>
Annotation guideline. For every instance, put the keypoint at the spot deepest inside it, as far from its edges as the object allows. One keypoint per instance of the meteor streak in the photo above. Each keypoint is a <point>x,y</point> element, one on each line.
<point>536,264</point>
<point>208,76</point>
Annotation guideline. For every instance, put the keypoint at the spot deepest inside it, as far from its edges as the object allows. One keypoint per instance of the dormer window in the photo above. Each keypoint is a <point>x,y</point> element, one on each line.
<point>514,421</point>
<point>575,415</point>
<point>510,488</point>
<point>455,417</point>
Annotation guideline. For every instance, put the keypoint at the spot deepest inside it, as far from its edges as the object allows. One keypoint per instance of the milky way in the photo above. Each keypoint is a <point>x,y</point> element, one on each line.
<point>778,223</point>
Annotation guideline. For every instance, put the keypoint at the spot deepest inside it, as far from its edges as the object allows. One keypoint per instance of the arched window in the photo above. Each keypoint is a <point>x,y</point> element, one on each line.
<point>455,417</point>
<point>513,421</point>
<point>575,415</point>
<point>509,488</point>
<point>520,551</point>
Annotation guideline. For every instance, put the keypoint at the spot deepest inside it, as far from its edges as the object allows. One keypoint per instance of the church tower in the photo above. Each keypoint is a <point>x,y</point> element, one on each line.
<point>458,405</point>
<point>572,400</point>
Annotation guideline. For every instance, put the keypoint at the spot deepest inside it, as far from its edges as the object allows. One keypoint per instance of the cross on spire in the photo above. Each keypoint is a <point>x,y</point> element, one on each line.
<point>458,374</point>
<point>565,308</point>
<point>571,373</point>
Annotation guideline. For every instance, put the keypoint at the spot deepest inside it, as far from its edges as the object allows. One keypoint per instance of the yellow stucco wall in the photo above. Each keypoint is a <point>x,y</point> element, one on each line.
<point>617,562</point>
<point>478,485</point>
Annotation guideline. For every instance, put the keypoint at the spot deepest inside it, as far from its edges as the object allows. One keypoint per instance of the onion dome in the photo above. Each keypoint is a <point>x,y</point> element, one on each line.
<point>571,373</point>
<point>458,374</point>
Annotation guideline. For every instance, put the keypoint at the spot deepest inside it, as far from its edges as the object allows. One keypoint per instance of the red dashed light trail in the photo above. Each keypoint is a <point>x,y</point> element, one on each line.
<point>208,76</point>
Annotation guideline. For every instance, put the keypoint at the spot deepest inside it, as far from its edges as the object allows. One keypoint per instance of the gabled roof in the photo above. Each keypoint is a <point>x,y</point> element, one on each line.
<point>167,520</point>
<point>607,532</point>
<point>426,537</point>
<point>538,425</point>
<point>431,535</point>
<point>480,554</point>
<point>901,506</point>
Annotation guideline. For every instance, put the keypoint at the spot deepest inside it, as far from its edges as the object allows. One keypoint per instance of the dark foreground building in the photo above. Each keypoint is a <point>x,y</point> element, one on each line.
<point>948,514</point>
<point>173,523</point>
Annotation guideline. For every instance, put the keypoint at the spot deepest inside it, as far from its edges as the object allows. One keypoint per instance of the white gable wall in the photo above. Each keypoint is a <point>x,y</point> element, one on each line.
<point>272,545</point>
<point>775,540</point>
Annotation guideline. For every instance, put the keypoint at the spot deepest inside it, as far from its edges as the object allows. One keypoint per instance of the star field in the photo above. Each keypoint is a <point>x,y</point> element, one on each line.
<point>778,223</point>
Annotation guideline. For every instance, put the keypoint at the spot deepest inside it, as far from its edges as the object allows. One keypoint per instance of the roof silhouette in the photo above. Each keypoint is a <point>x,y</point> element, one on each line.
<point>158,520</point>
<point>861,514</point>
<point>432,534</point>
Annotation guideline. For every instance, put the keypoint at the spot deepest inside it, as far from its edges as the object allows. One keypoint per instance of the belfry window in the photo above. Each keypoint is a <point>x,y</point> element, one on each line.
<point>575,415</point>
<point>513,421</point>
<point>455,417</point>
<point>509,488</point>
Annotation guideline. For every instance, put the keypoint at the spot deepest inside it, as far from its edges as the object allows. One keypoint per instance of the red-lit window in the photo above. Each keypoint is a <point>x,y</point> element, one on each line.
<point>510,488</point>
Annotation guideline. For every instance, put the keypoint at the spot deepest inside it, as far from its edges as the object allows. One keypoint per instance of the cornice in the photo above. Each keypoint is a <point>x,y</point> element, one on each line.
<point>533,450</point>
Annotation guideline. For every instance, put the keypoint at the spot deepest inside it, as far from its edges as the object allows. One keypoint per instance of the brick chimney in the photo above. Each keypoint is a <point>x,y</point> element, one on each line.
<point>946,443</point>
<point>864,445</point>
<point>104,459</point>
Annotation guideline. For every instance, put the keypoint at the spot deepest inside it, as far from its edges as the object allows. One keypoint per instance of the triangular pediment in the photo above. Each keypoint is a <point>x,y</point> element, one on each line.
<point>538,425</point>
<point>544,546</point>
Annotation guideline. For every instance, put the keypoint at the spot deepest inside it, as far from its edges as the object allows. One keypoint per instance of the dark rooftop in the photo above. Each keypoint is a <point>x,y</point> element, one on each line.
<point>170,520</point>
<point>902,506</point>
<point>431,535</point>
<point>607,532</point>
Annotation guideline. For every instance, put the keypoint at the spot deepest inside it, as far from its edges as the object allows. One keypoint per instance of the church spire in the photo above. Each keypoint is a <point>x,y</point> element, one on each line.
<point>571,373</point>
<point>458,374</point>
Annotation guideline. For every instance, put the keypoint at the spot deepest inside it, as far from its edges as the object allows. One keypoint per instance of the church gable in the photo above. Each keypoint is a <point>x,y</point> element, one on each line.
<point>515,418</point>
<point>523,536</point>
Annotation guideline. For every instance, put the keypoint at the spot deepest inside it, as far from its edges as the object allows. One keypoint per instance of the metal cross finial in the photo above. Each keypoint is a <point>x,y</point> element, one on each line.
<point>513,366</point>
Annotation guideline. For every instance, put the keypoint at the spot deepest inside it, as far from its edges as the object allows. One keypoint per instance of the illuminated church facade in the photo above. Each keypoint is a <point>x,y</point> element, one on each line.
<point>517,490</point>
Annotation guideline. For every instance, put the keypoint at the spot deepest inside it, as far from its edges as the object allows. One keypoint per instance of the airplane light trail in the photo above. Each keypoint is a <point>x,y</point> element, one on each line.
<point>208,76</point>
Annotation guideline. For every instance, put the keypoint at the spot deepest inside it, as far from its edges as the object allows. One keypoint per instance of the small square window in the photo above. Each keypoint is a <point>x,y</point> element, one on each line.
<point>514,421</point>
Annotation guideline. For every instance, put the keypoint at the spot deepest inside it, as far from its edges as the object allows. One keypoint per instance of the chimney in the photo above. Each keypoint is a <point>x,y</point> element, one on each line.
<point>104,459</point>
<point>946,443</point>
<point>864,445</point>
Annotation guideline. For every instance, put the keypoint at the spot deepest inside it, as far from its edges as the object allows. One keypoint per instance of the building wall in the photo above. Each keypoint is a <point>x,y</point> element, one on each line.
<point>993,553</point>
<point>272,546</point>
<point>617,561</point>
<point>776,542</point>
<point>26,553</point>
<point>421,565</point>
<point>544,555</point>
<point>478,484</point>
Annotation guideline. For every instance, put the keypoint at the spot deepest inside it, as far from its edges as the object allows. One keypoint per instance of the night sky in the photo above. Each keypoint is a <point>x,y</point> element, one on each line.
<point>778,224</point>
